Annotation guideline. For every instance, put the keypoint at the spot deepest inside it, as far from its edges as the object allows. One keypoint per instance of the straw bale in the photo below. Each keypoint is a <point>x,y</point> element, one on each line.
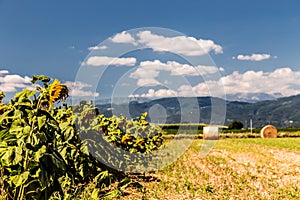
<point>211,133</point>
<point>268,131</point>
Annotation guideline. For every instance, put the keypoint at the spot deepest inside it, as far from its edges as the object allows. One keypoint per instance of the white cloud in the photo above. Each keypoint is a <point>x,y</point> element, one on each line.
<point>14,78</point>
<point>283,81</point>
<point>106,61</point>
<point>3,72</point>
<point>144,72</point>
<point>95,48</point>
<point>253,57</point>
<point>158,93</point>
<point>148,71</point>
<point>123,37</point>
<point>185,90</point>
<point>254,82</point>
<point>221,69</point>
<point>184,45</point>
<point>80,89</point>
<point>188,70</point>
<point>13,82</point>
<point>147,82</point>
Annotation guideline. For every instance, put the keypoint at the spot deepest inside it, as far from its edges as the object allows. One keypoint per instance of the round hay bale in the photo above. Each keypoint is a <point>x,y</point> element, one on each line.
<point>211,133</point>
<point>268,131</point>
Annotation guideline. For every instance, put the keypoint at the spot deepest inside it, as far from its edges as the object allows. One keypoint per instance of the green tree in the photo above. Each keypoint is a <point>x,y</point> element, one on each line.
<point>235,124</point>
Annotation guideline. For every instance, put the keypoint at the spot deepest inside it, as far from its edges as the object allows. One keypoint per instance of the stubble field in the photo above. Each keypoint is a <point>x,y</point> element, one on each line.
<point>233,169</point>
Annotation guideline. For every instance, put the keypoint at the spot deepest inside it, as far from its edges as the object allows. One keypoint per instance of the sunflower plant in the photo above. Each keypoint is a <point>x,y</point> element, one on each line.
<point>1,97</point>
<point>30,164</point>
<point>43,154</point>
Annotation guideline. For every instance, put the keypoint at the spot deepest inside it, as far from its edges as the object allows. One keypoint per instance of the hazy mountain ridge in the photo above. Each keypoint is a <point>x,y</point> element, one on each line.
<point>252,97</point>
<point>281,112</point>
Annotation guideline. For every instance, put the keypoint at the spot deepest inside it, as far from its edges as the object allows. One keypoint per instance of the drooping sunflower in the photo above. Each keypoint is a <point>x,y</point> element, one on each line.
<point>57,92</point>
<point>1,96</point>
<point>3,108</point>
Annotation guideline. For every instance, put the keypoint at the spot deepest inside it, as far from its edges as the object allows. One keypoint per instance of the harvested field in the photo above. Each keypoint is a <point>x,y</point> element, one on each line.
<point>234,169</point>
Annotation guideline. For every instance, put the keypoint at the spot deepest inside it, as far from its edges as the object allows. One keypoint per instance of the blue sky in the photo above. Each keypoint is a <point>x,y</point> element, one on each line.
<point>259,40</point>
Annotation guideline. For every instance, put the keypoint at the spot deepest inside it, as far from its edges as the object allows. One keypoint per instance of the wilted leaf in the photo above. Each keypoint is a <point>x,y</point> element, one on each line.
<point>18,155</point>
<point>95,194</point>
<point>43,78</point>
<point>20,179</point>
<point>39,153</point>
<point>41,121</point>
<point>7,156</point>
<point>24,95</point>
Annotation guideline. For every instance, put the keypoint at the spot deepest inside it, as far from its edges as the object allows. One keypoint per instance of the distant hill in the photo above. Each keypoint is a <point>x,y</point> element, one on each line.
<point>252,97</point>
<point>281,112</point>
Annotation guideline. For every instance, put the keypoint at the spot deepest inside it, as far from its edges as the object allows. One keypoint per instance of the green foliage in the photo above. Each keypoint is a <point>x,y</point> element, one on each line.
<point>50,152</point>
<point>133,136</point>
<point>116,141</point>
<point>30,164</point>
<point>235,124</point>
<point>42,78</point>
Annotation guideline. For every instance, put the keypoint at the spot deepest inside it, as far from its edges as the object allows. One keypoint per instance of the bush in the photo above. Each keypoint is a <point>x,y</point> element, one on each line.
<point>235,124</point>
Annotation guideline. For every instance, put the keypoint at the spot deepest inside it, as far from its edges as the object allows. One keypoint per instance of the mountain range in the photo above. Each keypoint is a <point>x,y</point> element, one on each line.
<point>280,112</point>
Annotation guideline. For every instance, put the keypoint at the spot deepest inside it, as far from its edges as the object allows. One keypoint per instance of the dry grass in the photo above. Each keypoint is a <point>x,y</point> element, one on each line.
<point>232,170</point>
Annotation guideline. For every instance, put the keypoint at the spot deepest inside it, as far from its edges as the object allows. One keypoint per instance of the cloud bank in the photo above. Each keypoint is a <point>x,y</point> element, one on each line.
<point>148,71</point>
<point>248,82</point>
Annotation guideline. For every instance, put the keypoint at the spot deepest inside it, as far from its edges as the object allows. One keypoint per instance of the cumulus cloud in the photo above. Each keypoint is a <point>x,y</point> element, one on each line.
<point>147,82</point>
<point>4,72</point>
<point>80,89</point>
<point>106,61</point>
<point>13,82</point>
<point>158,93</point>
<point>95,48</point>
<point>274,82</point>
<point>148,71</point>
<point>186,91</point>
<point>253,57</point>
<point>221,69</point>
<point>123,37</point>
<point>188,70</point>
<point>184,45</point>
<point>255,82</point>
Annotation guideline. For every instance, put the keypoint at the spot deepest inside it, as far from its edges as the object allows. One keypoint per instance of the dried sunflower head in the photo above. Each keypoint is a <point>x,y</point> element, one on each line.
<point>57,92</point>
<point>1,96</point>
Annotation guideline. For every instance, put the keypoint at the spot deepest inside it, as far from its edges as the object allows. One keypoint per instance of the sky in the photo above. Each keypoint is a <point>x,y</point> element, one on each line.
<point>152,48</point>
